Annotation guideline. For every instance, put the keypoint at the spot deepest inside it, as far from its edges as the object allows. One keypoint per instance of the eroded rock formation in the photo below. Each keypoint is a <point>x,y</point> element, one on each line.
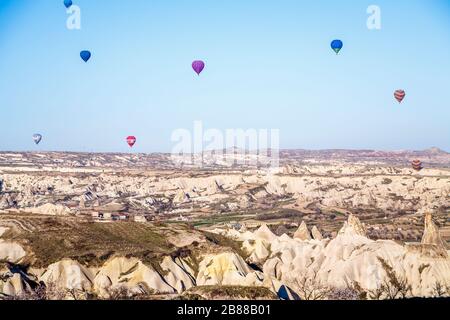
<point>287,266</point>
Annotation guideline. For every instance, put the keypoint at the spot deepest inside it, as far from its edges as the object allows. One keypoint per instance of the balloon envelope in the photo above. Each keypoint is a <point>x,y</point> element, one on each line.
<point>198,66</point>
<point>399,95</point>
<point>336,45</point>
<point>85,55</point>
<point>131,140</point>
<point>37,138</point>
<point>67,3</point>
<point>417,165</point>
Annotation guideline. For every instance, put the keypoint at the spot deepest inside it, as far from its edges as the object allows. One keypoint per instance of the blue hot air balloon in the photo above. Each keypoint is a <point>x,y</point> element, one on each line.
<point>67,3</point>
<point>85,55</point>
<point>37,138</point>
<point>337,45</point>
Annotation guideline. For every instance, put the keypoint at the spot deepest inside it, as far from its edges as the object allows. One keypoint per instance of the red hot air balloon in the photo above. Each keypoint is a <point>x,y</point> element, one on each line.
<point>131,140</point>
<point>417,165</point>
<point>399,95</point>
<point>198,66</point>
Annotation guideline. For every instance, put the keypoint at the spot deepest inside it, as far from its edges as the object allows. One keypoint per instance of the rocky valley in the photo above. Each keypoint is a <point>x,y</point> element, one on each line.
<point>331,224</point>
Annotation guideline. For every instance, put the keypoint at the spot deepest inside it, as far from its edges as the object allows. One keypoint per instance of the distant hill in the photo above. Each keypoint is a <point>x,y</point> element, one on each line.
<point>432,157</point>
<point>435,150</point>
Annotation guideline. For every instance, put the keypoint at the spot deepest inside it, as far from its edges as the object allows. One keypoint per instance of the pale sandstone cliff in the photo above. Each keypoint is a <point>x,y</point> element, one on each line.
<point>383,188</point>
<point>349,259</point>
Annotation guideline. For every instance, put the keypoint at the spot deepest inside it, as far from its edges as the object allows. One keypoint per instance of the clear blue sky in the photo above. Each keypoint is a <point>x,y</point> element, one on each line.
<point>268,65</point>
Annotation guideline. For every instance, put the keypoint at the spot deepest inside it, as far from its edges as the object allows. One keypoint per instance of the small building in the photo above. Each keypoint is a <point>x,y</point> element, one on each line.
<point>181,218</point>
<point>94,215</point>
<point>140,219</point>
<point>97,215</point>
<point>107,215</point>
<point>235,225</point>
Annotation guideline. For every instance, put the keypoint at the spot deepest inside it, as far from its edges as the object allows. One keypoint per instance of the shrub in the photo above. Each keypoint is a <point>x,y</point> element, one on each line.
<point>310,287</point>
<point>440,290</point>
<point>392,287</point>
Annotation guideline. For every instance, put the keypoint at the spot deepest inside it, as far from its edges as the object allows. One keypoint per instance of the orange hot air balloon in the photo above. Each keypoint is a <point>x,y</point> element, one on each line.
<point>131,140</point>
<point>399,95</point>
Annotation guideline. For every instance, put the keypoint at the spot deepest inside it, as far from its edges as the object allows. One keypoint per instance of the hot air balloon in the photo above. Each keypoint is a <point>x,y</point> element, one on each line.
<point>67,3</point>
<point>399,95</point>
<point>131,140</point>
<point>417,165</point>
<point>337,45</point>
<point>198,66</point>
<point>85,55</point>
<point>37,138</point>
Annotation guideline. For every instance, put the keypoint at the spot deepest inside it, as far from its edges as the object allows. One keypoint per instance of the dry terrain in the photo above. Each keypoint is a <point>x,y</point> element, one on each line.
<point>335,224</point>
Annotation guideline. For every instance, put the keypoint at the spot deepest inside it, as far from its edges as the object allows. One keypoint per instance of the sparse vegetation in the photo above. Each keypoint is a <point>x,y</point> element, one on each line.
<point>393,287</point>
<point>122,293</point>
<point>217,219</point>
<point>281,229</point>
<point>380,196</point>
<point>279,214</point>
<point>440,290</point>
<point>232,292</point>
<point>223,241</point>
<point>47,292</point>
<point>310,287</point>
<point>348,293</point>
<point>193,263</point>
<point>92,243</point>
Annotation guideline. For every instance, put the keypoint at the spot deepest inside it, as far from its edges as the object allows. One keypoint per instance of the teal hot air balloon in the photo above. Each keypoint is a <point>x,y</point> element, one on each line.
<point>336,45</point>
<point>37,138</point>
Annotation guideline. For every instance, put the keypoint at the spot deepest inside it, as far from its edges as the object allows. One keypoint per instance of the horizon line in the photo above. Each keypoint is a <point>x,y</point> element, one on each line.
<point>227,149</point>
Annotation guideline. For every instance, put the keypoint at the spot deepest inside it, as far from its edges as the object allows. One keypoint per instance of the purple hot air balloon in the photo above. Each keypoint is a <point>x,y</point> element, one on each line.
<point>198,66</point>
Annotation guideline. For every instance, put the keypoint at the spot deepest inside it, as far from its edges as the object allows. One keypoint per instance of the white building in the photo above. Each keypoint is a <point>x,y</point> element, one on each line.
<point>140,219</point>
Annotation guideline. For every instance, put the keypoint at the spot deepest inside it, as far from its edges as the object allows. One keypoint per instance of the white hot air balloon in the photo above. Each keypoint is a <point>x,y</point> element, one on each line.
<point>37,138</point>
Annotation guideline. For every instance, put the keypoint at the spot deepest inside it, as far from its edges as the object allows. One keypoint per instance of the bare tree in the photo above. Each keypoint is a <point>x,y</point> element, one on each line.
<point>41,292</point>
<point>119,293</point>
<point>124,293</point>
<point>310,288</point>
<point>440,290</point>
<point>347,293</point>
<point>393,286</point>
